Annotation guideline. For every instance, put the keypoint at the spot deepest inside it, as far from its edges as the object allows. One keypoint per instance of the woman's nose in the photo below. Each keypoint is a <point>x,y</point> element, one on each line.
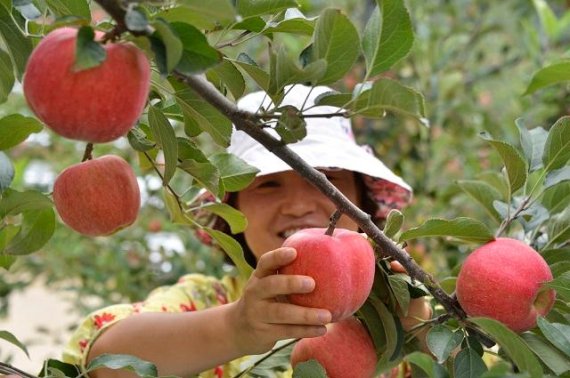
<point>299,201</point>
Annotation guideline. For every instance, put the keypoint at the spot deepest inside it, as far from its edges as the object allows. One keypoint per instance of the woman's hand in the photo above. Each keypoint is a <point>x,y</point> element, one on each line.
<point>260,319</point>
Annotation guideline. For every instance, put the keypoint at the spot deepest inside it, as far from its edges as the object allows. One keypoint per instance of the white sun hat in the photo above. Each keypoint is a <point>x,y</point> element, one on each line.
<point>329,143</point>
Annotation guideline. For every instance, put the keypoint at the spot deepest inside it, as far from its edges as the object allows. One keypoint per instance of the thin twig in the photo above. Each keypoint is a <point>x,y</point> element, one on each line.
<point>271,353</point>
<point>8,369</point>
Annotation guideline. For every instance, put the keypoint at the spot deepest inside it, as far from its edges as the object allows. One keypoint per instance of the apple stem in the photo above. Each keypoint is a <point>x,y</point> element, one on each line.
<point>332,223</point>
<point>87,155</point>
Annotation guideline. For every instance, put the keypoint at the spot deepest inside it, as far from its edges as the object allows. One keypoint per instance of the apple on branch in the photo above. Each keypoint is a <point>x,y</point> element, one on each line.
<point>346,350</point>
<point>503,280</point>
<point>96,105</point>
<point>342,265</point>
<point>97,197</point>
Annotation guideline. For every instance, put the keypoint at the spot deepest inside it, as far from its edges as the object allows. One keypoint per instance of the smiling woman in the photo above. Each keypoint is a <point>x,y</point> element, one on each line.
<point>212,327</point>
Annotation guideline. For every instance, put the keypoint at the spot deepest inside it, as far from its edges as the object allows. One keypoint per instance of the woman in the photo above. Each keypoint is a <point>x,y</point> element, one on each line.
<point>210,326</point>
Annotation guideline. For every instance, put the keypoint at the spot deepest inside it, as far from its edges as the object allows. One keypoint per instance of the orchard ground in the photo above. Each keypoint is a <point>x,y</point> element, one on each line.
<point>42,318</point>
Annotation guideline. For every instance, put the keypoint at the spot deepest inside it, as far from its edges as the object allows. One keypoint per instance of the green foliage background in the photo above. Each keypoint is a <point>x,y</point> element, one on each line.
<point>472,60</point>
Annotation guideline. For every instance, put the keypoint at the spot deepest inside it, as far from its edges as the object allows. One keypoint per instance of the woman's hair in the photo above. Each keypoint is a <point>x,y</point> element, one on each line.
<point>365,202</point>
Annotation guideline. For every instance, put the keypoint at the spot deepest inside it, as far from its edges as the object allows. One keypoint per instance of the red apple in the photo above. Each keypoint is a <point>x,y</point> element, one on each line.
<point>95,105</point>
<point>341,264</point>
<point>346,350</point>
<point>97,197</point>
<point>502,280</point>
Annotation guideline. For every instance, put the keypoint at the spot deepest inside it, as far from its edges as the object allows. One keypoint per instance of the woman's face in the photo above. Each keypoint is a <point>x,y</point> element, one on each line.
<point>279,204</point>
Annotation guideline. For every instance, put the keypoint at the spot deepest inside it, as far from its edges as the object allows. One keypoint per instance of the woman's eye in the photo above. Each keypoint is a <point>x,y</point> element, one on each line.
<point>268,184</point>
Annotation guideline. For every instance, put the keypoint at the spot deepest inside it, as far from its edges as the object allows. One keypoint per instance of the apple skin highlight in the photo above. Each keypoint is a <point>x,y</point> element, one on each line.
<point>95,105</point>
<point>342,266</point>
<point>502,280</point>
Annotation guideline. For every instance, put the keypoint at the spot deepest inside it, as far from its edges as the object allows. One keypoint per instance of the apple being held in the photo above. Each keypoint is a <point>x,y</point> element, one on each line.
<point>346,350</point>
<point>97,197</point>
<point>502,280</point>
<point>342,265</point>
<point>96,105</point>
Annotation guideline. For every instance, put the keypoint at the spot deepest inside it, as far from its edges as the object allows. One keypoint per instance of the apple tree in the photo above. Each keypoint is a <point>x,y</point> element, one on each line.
<point>203,57</point>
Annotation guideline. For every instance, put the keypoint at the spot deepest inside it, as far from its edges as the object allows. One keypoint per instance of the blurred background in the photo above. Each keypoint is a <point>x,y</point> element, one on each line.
<point>471,59</point>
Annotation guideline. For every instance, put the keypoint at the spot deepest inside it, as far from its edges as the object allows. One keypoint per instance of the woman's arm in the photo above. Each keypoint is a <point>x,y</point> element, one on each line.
<point>188,343</point>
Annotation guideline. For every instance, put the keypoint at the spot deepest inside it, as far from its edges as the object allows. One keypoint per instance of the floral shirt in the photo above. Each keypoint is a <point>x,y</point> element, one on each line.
<point>192,292</point>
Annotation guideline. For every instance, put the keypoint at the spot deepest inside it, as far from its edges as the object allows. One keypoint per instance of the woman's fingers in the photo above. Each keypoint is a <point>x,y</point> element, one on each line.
<point>273,260</point>
<point>282,284</point>
<point>286,313</point>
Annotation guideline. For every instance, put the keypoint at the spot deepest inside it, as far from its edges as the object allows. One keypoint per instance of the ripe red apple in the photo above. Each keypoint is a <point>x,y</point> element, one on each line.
<point>502,280</point>
<point>95,105</point>
<point>346,350</point>
<point>97,197</point>
<point>341,264</point>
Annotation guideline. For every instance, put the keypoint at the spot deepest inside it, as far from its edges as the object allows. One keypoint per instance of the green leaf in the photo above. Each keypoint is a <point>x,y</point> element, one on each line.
<point>62,8</point>
<point>15,128</point>
<point>294,22</point>
<point>14,202</point>
<point>233,250</point>
<point>36,229</point>
<point>249,66</point>
<point>513,345</point>
<point>204,15</point>
<point>388,95</point>
<point>9,337</point>
<point>172,45</point>
<point>174,207</point>
<point>562,285</point>
<point>394,222</point>
<point>6,76</point>
<point>139,141</point>
<point>515,164</point>
<point>557,176</point>
<point>235,173</point>
<point>427,364</point>
<point>369,315</point>
<point>250,8</point>
<point>230,77</point>
<point>205,173</point>
<point>558,334</point>
<point>483,193</point>
<point>394,334</point>
<point>442,341</point>
<point>468,364</point>
<point>88,53</point>
<point>197,54</point>
<point>336,42</point>
<point>291,126</point>
<point>284,71</point>
<point>388,36</point>
<point>6,172</point>
<point>165,137</point>
<point>462,228</point>
<point>399,286</point>
<point>123,361</point>
<point>549,75</point>
<point>18,45</point>
<point>63,369</point>
<point>235,218</point>
<point>551,356</point>
<point>557,198</point>
<point>559,228</point>
<point>309,369</point>
<point>557,146</point>
<point>205,115</point>
<point>532,142</point>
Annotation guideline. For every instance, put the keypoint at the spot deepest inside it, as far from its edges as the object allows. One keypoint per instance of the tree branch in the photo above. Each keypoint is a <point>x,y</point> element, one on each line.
<point>247,122</point>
